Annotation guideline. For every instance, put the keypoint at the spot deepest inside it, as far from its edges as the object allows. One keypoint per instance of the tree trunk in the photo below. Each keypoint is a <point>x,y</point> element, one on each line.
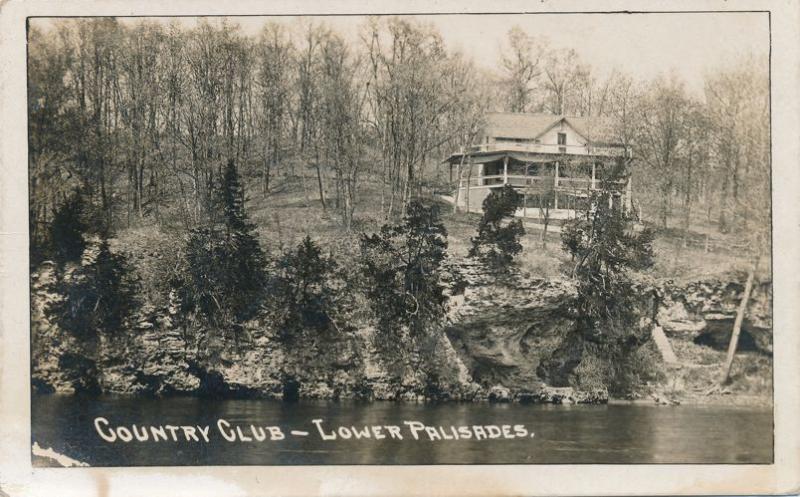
<point>468,185</point>
<point>546,222</point>
<point>724,202</point>
<point>266,170</point>
<point>687,203</point>
<point>321,189</point>
<point>737,325</point>
<point>458,181</point>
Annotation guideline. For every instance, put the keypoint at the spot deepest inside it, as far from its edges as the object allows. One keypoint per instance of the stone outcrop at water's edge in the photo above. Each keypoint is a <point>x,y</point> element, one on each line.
<point>498,331</point>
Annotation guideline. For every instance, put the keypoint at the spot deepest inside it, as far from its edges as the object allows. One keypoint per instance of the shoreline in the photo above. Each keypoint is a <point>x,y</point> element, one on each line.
<point>717,400</point>
<point>700,401</point>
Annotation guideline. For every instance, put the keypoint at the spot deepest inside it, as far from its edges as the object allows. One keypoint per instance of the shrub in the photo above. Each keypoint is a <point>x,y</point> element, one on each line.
<point>497,241</point>
<point>68,228</point>
<point>307,292</point>
<point>99,295</point>
<point>401,268</point>
<point>223,277</point>
<point>604,249</point>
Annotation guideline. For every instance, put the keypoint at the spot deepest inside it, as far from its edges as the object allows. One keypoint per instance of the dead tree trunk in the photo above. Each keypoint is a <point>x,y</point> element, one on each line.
<point>737,325</point>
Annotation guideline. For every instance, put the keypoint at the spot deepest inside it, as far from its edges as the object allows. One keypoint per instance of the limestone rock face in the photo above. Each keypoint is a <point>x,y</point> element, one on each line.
<point>501,327</point>
<point>498,331</point>
<point>708,309</point>
<point>50,344</point>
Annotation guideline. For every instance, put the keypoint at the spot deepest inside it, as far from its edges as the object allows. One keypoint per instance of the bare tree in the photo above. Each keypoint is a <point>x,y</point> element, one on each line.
<point>522,65</point>
<point>563,73</point>
<point>274,58</point>
<point>662,139</point>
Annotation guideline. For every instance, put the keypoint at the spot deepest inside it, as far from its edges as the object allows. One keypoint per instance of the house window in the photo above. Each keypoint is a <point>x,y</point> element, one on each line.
<point>562,142</point>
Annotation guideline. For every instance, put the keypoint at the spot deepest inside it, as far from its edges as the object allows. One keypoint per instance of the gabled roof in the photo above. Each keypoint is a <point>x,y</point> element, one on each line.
<point>529,126</point>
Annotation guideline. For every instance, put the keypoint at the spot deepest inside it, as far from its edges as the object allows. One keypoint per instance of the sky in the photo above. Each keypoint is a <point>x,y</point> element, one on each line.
<point>642,45</point>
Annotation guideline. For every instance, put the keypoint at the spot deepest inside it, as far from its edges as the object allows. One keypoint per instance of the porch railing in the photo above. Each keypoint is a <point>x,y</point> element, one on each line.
<point>542,148</point>
<point>564,183</point>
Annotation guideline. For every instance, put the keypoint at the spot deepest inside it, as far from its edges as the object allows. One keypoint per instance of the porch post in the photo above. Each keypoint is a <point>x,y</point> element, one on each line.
<point>505,170</point>
<point>556,176</point>
<point>525,193</point>
<point>555,191</point>
<point>594,167</point>
<point>628,199</point>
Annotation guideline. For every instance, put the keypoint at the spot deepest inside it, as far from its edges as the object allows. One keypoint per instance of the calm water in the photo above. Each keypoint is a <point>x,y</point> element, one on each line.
<point>562,434</point>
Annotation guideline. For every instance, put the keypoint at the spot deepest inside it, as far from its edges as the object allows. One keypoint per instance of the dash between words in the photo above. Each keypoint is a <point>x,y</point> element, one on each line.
<point>408,430</point>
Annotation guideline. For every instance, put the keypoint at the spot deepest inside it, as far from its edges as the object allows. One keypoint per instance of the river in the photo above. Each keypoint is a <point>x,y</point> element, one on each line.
<point>559,434</point>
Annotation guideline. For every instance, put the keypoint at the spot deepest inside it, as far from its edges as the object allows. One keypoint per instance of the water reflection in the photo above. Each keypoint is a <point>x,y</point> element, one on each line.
<point>563,434</point>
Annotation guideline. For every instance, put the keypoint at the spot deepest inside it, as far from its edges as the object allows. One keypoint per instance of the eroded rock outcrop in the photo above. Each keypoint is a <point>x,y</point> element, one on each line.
<point>502,325</point>
<point>704,311</point>
<point>499,330</point>
<point>506,329</point>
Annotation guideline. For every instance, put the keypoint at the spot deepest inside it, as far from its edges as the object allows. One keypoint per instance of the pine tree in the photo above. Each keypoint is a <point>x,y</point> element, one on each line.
<point>497,241</point>
<point>67,229</point>
<point>401,266</point>
<point>605,248</point>
<point>97,298</point>
<point>306,293</point>
<point>223,279</point>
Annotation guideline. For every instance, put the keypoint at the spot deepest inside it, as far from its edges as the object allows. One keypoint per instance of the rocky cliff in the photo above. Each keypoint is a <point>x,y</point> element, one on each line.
<point>502,325</point>
<point>704,312</point>
<point>498,332</point>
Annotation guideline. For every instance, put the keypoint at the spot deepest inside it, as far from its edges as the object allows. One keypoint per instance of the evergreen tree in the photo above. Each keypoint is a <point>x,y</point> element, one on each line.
<point>97,298</point>
<point>497,242</point>
<point>307,293</point>
<point>401,266</point>
<point>68,228</point>
<point>223,279</point>
<point>605,247</point>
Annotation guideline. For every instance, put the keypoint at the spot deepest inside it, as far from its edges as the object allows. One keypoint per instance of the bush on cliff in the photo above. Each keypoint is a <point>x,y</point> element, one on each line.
<point>97,298</point>
<point>308,292</point>
<point>401,266</point>
<point>66,230</point>
<point>497,241</point>
<point>222,279</point>
<point>608,310</point>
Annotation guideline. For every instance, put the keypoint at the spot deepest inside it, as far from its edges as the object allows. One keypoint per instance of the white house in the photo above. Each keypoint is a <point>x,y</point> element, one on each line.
<point>553,161</point>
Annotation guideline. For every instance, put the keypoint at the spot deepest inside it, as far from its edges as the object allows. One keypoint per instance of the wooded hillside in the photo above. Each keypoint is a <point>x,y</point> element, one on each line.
<point>143,116</point>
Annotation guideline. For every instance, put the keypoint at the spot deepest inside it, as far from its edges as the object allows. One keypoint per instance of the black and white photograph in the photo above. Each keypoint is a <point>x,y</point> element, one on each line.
<point>400,239</point>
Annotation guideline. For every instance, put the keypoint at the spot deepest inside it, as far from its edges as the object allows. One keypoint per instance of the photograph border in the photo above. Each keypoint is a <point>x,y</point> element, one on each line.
<point>625,12</point>
<point>781,252</point>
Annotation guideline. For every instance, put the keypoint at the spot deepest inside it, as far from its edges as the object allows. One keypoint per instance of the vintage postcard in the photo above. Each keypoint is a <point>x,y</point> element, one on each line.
<point>256,250</point>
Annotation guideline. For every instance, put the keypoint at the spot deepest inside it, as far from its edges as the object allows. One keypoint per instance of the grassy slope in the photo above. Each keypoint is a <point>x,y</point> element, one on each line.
<point>293,210</point>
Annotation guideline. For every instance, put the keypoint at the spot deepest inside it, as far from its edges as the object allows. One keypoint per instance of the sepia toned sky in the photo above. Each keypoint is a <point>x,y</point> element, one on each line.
<point>642,45</point>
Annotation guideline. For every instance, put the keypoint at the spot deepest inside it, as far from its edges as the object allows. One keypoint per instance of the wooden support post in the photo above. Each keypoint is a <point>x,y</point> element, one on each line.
<point>594,167</point>
<point>663,345</point>
<point>555,188</point>
<point>505,170</point>
<point>525,193</point>
<point>629,195</point>
<point>555,181</point>
<point>468,185</point>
